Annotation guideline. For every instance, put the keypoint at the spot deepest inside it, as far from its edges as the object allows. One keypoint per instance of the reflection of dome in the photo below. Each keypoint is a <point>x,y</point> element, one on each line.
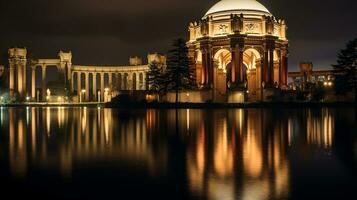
<point>238,6</point>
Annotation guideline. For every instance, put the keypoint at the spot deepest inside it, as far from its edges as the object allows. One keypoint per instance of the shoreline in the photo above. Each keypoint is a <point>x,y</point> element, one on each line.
<point>275,105</point>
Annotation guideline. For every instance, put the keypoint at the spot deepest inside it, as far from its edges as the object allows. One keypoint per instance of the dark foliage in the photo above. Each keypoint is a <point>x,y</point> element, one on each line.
<point>346,69</point>
<point>179,75</point>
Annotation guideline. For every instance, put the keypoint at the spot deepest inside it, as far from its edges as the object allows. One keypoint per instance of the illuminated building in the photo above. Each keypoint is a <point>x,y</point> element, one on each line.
<point>239,47</point>
<point>116,78</point>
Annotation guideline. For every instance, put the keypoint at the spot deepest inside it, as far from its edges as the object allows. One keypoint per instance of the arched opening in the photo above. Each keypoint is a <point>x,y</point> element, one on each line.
<point>252,71</point>
<point>222,71</point>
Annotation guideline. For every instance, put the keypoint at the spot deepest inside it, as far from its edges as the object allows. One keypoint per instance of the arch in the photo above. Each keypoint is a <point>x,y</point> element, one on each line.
<point>223,57</point>
<point>250,58</point>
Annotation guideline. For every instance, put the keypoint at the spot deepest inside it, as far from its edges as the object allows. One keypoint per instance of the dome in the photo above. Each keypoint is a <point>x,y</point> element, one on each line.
<point>238,6</point>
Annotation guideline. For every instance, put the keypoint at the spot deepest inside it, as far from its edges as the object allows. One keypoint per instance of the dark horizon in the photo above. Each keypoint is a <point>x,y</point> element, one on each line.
<point>107,33</point>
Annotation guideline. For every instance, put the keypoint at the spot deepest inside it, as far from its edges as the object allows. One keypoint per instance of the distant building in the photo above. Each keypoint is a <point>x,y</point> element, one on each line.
<point>306,75</point>
<point>112,79</point>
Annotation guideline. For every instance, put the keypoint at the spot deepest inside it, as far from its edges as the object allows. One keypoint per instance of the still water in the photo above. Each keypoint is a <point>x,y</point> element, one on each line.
<point>253,154</point>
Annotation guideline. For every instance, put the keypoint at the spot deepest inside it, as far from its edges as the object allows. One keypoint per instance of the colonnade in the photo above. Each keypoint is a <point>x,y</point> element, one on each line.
<point>118,80</point>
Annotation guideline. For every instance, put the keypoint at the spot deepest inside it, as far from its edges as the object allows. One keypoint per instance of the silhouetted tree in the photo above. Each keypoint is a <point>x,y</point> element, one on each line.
<point>179,76</point>
<point>346,69</point>
<point>155,78</point>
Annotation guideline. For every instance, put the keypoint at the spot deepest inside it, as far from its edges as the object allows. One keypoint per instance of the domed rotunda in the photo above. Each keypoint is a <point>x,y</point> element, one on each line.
<point>239,50</point>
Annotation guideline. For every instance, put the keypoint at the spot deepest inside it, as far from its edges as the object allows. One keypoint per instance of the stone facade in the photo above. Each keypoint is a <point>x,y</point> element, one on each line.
<point>112,79</point>
<point>243,49</point>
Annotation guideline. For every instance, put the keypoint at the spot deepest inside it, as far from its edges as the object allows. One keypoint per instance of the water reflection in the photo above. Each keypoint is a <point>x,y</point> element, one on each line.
<point>229,154</point>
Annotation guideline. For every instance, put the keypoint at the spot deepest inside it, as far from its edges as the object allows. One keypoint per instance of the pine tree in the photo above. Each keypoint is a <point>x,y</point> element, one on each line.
<point>346,69</point>
<point>179,75</point>
<point>154,78</point>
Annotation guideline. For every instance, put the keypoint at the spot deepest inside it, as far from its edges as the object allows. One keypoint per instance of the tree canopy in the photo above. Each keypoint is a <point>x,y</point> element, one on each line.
<point>346,69</point>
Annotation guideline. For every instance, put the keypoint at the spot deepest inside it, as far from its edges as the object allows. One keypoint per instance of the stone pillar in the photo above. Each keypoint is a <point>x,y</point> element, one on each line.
<point>240,65</point>
<point>72,82</point>
<point>130,78</point>
<point>265,67</point>
<point>95,87</point>
<point>44,85</point>
<point>138,81</point>
<point>271,67</point>
<point>24,77</point>
<point>11,80</point>
<point>144,81</point>
<point>33,82</point>
<point>79,83</point>
<point>101,87</point>
<point>20,85</point>
<point>110,82</point>
<point>87,86</point>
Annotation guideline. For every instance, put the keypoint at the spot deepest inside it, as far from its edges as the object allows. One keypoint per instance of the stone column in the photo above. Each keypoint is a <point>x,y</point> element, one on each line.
<point>12,80</point>
<point>101,87</point>
<point>87,86</point>
<point>72,82</point>
<point>24,74</point>
<point>20,88</point>
<point>79,83</point>
<point>33,82</point>
<point>271,67</point>
<point>44,85</point>
<point>240,65</point>
<point>110,82</point>
<point>138,81</point>
<point>95,87</point>
<point>144,81</point>
<point>130,78</point>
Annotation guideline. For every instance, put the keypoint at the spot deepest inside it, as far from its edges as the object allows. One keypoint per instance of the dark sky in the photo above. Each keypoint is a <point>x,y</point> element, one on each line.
<point>110,31</point>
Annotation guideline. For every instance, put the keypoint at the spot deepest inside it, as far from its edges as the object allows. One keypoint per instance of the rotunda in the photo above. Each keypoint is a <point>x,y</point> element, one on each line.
<point>239,45</point>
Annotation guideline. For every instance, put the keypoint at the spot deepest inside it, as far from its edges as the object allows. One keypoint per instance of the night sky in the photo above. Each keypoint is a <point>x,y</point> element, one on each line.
<point>110,31</point>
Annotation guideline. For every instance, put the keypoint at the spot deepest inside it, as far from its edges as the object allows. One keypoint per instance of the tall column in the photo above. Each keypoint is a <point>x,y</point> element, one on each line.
<point>266,67</point>
<point>20,85</point>
<point>131,82</point>
<point>79,83</point>
<point>240,65</point>
<point>144,81</point>
<point>271,67</point>
<point>33,82</point>
<point>24,77</point>
<point>110,82</point>
<point>72,82</point>
<point>95,87</point>
<point>234,65</point>
<point>101,86</point>
<point>138,81</point>
<point>204,66</point>
<point>87,87</point>
<point>11,79</point>
<point>44,86</point>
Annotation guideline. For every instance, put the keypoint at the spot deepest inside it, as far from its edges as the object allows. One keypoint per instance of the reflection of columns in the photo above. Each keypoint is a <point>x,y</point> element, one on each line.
<point>12,80</point>
<point>87,86</point>
<point>79,82</point>
<point>95,86</point>
<point>33,82</point>
<point>44,87</point>
<point>101,86</point>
